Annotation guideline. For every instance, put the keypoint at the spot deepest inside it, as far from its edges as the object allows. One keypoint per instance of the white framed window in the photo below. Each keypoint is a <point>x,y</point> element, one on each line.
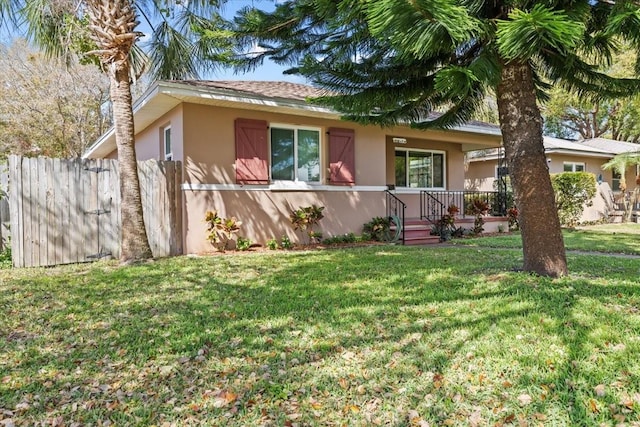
<point>295,153</point>
<point>573,167</point>
<point>420,168</point>
<point>166,143</point>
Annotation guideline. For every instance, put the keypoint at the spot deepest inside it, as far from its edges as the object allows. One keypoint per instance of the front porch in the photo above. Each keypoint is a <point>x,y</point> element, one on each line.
<point>415,213</point>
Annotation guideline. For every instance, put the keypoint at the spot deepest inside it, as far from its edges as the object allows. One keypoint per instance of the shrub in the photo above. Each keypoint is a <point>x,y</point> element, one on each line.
<point>379,229</point>
<point>479,208</point>
<point>336,240</point>
<point>221,230</point>
<point>512,215</point>
<point>5,259</point>
<point>243,244</point>
<point>573,190</point>
<point>286,243</point>
<point>445,227</point>
<point>305,219</point>
<point>272,244</point>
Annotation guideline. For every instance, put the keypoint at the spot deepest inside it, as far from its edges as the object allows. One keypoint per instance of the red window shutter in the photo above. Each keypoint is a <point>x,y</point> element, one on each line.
<point>342,156</point>
<point>251,152</point>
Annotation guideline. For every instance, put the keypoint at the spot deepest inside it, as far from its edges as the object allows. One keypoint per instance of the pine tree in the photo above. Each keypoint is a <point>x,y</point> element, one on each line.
<point>398,61</point>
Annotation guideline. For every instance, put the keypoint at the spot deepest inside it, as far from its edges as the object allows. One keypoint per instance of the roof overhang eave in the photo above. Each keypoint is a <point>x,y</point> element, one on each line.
<point>579,153</point>
<point>173,93</point>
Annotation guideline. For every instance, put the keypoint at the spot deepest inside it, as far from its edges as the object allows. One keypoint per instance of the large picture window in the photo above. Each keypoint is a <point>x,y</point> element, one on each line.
<point>295,154</point>
<point>419,169</point>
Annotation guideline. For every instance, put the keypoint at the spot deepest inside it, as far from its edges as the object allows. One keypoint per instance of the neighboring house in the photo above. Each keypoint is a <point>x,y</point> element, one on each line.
<point>617,147</point>
<point>258,150</point>
<point>562,156</point>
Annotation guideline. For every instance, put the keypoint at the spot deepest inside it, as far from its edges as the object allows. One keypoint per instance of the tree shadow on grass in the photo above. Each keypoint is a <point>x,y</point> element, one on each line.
<point>445,333</point>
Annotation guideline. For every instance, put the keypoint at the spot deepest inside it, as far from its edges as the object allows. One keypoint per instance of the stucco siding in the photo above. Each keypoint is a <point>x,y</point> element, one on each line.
<point>480,175</point>
<point>265,214</point>
<point>592,164</point>
<point>210,144</point>
<point>149,141</point>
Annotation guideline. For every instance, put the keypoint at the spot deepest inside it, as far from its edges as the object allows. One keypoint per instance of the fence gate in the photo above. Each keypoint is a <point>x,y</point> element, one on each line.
<point>68,211</point>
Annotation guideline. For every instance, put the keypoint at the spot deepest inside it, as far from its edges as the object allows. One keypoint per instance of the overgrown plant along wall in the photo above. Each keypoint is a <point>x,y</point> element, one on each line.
<point>574,191</point>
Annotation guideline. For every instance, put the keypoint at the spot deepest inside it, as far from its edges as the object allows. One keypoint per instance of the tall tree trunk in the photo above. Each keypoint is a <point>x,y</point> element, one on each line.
<point>521,125</point>
<point>134,241</point>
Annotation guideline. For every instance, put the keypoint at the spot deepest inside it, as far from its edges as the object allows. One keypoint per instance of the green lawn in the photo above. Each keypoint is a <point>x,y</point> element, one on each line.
<point>608,238</point>
<point>383,335</point>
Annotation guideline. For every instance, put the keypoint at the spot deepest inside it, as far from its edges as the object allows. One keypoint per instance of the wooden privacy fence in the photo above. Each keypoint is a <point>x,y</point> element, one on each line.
<point>4,207</point>
<point>68,211</point>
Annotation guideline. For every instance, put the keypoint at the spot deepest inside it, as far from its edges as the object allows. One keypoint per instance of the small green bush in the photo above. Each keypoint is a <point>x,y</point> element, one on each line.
<point>336,240</point>
<point>243,244</point>
<point>573,190</point>
<point>378,229</point>
<point>272,244</point>
<point>478,208</point>
<point>445,227</point>
<point>221,230</point>
<point>305,219</point>
<point>286,243</point>
<point>5,259</point>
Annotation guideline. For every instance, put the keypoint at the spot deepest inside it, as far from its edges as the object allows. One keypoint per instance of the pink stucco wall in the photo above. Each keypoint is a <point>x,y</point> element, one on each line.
<point>149,141</point>
<point>204,140</point>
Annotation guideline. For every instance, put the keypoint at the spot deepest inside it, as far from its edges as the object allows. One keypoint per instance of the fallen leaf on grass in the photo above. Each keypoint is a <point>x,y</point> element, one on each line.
<point>415,419</point>
<point>593,406</point>
<point>351,408</point>
<point>22,407</point>
<point>524,399</point>
<point>509,418</point>
<point>438,380</point>
<point>475,419</point>
<point>600,390</point>
<point>224,398</point>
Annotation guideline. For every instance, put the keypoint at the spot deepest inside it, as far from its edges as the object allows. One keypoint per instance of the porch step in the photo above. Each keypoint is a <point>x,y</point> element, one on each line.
<point>418,232</point>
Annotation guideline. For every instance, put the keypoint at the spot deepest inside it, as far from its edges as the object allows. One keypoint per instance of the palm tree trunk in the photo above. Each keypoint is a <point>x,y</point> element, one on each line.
<point>134,241</point>
<point>521,125</point>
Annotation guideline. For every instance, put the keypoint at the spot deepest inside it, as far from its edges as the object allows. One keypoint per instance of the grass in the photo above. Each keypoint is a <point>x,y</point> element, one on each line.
<point>608,238</point>
<point>382,335</point>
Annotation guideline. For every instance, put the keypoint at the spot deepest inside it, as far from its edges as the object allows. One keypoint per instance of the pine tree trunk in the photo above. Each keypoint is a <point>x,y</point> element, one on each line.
<point>521,125</point>
<point>134,241</point>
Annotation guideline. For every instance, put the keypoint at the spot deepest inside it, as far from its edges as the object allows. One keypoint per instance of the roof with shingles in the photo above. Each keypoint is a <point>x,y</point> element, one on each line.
<point>285,97</point>
<point>270,89</point>
<point>551,144</point>
<point>611,145</point>
<point>288,90</point>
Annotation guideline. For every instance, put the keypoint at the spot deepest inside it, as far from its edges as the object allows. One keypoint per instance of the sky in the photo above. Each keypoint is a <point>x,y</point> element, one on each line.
<point>270,70</point>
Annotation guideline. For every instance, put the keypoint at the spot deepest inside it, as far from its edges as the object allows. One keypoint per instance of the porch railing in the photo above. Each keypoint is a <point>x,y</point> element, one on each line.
<point>431,207</point>
<point>434,204</point>
<point>395,211</point>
